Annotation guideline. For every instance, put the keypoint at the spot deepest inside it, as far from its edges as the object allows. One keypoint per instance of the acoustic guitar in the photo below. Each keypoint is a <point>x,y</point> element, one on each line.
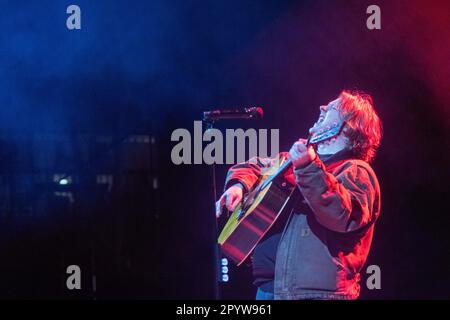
<point>262,206</point>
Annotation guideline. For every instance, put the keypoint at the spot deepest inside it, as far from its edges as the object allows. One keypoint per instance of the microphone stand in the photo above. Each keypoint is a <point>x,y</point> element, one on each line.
<point>208,118</point>
<point>216,255</point>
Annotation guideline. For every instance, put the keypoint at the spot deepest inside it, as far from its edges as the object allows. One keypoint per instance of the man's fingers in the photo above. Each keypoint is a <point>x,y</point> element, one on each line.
<point>218,209</point>
<point>235,203</point>
<point>301,147</point>
<point>293,152</point>
<point>229,201</point>
<point>223,199</point>
<point>219,205</point>
<point>297,148</point>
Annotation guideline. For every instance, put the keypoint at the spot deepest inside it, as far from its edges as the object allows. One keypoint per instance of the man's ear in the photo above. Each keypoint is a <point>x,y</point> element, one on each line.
<point>345,135</point>
<point>345,129</point>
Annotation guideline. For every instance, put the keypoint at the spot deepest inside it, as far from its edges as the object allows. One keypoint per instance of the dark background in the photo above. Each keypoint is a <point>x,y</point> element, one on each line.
<point>105,99</point>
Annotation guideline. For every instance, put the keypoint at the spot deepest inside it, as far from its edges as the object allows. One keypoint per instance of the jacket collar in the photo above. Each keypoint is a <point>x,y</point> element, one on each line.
<point>344,154</point>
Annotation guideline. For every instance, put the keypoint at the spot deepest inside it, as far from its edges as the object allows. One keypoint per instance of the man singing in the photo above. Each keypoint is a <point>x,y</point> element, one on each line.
<point>318,250</point>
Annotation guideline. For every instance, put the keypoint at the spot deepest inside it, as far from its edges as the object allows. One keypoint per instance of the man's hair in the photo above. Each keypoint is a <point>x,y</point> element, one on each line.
<point>364,129</point>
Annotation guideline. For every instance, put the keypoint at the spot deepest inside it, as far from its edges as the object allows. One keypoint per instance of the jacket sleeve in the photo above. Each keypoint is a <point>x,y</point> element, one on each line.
<point>247,173</point>
<point>341,203</point>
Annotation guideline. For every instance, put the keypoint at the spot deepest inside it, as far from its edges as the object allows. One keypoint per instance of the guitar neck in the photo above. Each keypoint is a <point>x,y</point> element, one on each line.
<point>284,166</point>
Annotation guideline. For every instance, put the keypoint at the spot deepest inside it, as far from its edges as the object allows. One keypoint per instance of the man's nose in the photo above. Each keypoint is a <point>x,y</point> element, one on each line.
<point>323,108</point>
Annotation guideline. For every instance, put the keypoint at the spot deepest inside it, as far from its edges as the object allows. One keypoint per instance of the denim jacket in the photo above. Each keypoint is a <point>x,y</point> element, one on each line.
<point>328,235</point>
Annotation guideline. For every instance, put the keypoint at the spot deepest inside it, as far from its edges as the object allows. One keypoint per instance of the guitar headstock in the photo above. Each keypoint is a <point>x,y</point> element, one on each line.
<point>332,132</point>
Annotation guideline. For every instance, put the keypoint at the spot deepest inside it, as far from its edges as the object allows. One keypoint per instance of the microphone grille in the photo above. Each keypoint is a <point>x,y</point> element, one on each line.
<point>256,112</point>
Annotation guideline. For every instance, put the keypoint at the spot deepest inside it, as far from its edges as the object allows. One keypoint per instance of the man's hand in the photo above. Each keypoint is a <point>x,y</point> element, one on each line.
<point>301,155</point>
<point>230,199</point>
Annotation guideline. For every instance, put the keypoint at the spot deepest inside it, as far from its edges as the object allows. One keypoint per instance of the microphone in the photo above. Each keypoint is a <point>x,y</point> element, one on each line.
<point>244,113</point>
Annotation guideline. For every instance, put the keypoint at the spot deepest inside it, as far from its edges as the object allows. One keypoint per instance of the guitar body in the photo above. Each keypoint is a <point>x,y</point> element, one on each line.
<point>251,220</point>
